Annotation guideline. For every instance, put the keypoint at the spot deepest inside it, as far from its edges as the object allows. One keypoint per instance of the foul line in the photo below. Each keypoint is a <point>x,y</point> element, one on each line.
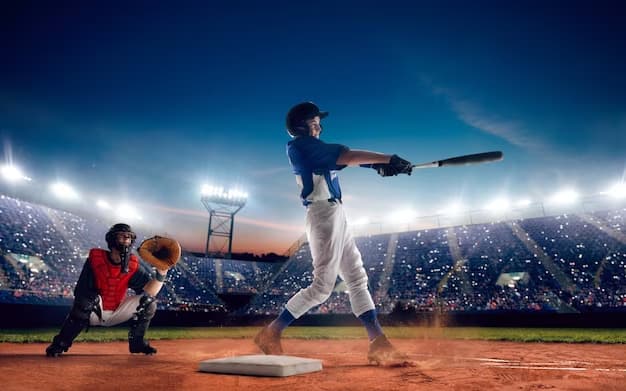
<point>503,363</point>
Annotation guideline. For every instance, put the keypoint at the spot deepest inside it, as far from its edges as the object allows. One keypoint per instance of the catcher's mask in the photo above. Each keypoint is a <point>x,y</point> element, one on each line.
<point>299,114</point>
<point>113,243</point>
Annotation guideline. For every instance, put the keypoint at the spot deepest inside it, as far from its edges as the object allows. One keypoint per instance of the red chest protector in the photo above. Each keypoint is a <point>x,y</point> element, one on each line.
<point>111,283</point>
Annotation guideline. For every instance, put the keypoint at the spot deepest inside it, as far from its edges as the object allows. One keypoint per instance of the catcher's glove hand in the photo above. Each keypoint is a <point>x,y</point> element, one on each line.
<point>396,166</point>
<point>160,252</point>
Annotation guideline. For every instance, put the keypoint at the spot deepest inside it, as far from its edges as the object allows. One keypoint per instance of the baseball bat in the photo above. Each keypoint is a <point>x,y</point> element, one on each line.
<point>476,158</point>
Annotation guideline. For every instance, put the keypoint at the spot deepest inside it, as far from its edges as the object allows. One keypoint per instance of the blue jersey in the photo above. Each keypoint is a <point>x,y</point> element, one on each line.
<point>315,165</point>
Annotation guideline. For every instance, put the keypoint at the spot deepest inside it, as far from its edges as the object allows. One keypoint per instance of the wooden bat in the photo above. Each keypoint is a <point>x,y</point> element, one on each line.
<point>476,158</point>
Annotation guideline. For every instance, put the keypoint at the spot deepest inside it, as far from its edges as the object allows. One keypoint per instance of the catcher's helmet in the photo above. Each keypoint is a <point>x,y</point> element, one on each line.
<point>299,114</point>
<point>114,230</point>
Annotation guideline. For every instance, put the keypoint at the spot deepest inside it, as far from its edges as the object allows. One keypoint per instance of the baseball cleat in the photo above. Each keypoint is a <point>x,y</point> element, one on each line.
<point>382,352</point>
<point>268,341</point>
<point>55,350</point>
<point>141,346</point>
<point>57,347</point>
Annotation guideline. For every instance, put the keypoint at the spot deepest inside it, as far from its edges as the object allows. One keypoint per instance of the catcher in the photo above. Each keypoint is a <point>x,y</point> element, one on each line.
<point>100,295</point>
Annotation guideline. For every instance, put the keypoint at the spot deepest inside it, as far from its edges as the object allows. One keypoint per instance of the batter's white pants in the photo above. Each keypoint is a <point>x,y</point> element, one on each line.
<point>124,312</point>
<point>334,253</point>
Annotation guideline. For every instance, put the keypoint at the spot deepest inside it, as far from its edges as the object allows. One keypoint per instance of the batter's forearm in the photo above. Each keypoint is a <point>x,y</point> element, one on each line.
<point>355,157</point>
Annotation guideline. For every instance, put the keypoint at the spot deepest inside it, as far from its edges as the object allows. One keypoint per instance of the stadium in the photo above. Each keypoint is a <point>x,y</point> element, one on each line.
<point>339,195</point>
<point>550,278</point>
<point>572,263</point>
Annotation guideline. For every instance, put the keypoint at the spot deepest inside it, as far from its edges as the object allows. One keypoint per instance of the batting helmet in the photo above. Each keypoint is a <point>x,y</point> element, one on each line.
<point>299,114</point>
<point>114,230</point>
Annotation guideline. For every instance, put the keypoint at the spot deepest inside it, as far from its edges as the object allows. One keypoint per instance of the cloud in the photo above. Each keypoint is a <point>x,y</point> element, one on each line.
<point>513,131</point>
<point>475,115</point>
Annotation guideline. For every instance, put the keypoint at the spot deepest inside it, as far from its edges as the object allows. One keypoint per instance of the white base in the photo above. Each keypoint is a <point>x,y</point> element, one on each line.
<point>261,365</point>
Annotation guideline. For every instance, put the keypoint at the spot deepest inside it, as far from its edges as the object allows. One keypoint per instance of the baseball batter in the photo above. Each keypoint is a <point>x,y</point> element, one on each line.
<point>315,164</point>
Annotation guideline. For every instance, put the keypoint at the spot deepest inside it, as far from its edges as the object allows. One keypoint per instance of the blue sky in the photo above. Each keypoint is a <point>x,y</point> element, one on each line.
<point>146,102</point>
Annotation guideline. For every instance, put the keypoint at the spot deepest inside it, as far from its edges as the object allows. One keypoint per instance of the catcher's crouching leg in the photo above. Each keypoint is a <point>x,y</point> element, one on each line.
<point>74,323</point>
<point>139,325</point>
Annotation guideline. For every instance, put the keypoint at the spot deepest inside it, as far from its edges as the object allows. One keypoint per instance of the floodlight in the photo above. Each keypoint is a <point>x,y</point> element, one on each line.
<point>618,190</point>
<point>498,205</point>
<point>522,203</point>
<point>402,215</point>
<point>565,197</point>
<point>453,209</point>
<point>13,174</point>
<point>102,204</point>
<point>64,191</point>
<point>217,194</point>
<point>127,211</point>
<point>361,221</point>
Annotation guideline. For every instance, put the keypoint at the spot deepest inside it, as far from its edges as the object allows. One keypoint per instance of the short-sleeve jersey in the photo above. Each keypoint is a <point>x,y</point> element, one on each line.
<point>315,165</point>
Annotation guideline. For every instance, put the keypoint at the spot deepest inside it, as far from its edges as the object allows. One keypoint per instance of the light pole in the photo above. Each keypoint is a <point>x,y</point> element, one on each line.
<point>222,207</point>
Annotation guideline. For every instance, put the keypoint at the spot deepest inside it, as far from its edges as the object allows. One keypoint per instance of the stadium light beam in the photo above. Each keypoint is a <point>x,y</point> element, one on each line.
<point>617,191</point>
<point>13,173</point>
<point>565,197</point>
<point>64,191</point>
<point>402,215</point>
<point>523,203</point>
<point>498,205</point>
<point>361,221</point>
<point>102,204</point>
<point>127,211</point>
<point>453,209</point>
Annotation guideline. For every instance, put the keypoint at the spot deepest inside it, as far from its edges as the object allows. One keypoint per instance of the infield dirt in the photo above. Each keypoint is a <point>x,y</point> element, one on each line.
<point>440,364</point>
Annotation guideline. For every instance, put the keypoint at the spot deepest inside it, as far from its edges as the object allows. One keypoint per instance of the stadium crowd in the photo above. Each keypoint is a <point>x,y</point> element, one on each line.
<point>574,262</point>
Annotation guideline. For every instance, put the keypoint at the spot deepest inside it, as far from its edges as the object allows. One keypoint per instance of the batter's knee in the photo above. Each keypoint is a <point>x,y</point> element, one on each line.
<point>320,297</point>
<point>357,283</point>
<point>355,278</point>
<point>320,291</point>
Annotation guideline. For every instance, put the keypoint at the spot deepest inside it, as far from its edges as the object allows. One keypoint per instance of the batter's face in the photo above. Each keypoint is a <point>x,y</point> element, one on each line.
<point>315,128</point>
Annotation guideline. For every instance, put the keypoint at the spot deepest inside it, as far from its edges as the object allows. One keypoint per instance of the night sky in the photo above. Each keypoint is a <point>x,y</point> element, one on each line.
<point>144,103</point>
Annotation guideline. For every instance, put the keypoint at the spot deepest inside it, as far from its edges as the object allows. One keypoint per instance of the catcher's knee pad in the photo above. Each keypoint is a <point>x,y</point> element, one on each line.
<point>146,308</point>
<point>83,307</point>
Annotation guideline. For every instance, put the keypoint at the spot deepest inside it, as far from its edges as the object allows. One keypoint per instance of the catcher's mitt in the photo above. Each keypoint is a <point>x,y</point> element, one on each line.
<point>160,252</point>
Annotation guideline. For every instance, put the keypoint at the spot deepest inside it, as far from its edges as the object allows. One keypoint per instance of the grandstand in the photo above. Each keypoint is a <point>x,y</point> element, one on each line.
<point>563,263</point>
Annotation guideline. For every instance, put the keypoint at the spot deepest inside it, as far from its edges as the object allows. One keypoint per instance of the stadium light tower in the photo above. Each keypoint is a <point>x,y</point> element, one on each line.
<point>222,206</point>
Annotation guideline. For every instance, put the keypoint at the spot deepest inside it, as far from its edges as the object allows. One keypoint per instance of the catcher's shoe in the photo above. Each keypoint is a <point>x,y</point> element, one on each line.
<point>140,346</point>
<point>268,341</point>
<point>382,352</point>
<point>57,348</point>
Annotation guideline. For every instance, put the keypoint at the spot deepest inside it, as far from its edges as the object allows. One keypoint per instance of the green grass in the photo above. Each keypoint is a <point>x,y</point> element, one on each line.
<point>99,334</point>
